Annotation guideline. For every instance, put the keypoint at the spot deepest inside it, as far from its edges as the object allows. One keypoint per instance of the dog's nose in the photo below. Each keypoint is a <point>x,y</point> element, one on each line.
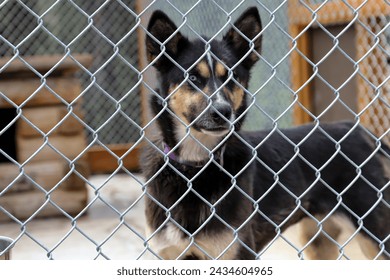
<point>223,109</point>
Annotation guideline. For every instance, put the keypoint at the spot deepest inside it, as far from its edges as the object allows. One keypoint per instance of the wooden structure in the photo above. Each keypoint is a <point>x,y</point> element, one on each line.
<point>365,19</point>
<point>45,137</point>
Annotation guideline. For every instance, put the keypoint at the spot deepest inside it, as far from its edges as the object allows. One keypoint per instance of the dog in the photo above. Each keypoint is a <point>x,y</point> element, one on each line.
<point>214,191</point>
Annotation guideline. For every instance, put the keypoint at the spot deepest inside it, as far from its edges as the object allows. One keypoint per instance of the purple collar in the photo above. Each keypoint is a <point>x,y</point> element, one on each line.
<point>198,164</point>
<point>167,151</point>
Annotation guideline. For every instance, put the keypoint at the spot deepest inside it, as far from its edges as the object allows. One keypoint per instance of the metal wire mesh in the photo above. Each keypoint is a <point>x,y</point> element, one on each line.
<point>374,31</point>
<point>111,98</point>
<point>101,28</point>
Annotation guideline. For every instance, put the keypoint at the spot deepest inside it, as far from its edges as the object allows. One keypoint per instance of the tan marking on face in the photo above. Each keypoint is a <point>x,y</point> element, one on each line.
<point>203,69</point>
<point>220,70</point>
<point>236,96</point>
<point>183,99</point>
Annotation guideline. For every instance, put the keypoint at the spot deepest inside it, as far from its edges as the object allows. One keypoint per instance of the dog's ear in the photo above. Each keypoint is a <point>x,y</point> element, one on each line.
<point>245,31</point>
<point>162,28</point>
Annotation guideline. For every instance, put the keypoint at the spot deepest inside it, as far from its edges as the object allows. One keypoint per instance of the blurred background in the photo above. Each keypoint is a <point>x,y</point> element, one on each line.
<point>74,85</point>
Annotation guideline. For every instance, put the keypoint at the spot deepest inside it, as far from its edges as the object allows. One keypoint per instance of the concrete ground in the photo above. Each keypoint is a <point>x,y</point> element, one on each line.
<point>118,232</point>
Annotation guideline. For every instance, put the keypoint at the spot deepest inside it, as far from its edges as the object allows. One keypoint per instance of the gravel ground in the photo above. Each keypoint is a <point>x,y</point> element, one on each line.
<point>102,229</point>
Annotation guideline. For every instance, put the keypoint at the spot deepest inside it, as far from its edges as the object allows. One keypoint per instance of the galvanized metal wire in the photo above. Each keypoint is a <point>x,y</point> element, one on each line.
<point>111,99</point>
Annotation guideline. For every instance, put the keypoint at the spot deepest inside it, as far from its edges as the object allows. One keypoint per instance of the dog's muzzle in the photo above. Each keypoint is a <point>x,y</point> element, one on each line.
<point>216,120</point>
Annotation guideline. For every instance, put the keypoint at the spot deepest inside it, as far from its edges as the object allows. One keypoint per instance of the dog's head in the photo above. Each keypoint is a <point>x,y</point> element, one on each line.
<point>204,84</point>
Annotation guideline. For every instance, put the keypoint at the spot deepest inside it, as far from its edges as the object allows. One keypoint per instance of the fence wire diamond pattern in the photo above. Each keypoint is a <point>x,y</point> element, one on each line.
<point>99,50</point>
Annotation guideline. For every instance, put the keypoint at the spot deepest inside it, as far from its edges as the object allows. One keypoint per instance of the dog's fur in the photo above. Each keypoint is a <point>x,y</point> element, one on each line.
<point>231,202</point>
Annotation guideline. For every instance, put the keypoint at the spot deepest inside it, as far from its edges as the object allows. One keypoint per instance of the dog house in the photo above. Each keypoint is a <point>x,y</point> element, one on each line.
<point>340,62</point>
<point>42,169</point>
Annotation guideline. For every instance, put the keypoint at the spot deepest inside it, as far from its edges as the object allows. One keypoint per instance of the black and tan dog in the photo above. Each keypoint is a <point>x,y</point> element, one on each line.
<point>214,191</point>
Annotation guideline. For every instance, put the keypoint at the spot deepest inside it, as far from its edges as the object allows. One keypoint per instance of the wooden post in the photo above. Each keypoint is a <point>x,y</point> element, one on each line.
<point>331,13</point>
<point>300,75</point>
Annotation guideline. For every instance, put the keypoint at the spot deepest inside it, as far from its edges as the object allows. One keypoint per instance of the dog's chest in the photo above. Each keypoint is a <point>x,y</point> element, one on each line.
<point>191,215</point>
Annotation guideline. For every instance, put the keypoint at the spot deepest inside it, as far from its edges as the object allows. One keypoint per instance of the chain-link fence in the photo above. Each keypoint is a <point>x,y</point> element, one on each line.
<point>101,29</point>
<point>74,75</point>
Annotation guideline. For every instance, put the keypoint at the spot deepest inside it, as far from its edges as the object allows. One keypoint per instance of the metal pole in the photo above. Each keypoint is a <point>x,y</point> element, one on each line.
<point>5,247</point>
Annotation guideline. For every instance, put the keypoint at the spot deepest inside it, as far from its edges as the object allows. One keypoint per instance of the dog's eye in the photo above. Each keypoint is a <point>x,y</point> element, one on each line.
<point>193,78</point>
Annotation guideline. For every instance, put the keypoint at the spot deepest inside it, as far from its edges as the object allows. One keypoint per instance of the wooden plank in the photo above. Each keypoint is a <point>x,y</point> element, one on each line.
<point>306,94</point>
<point>20,91</point>
<point>148,76</point>
<point>300,73</point>
<point>70,146</point>
<point>24,204</point>
<point>102,161</point>
<point>47,118</point>
<point>46,174</point>
<point>373,67</point>
<point>43,63</point>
